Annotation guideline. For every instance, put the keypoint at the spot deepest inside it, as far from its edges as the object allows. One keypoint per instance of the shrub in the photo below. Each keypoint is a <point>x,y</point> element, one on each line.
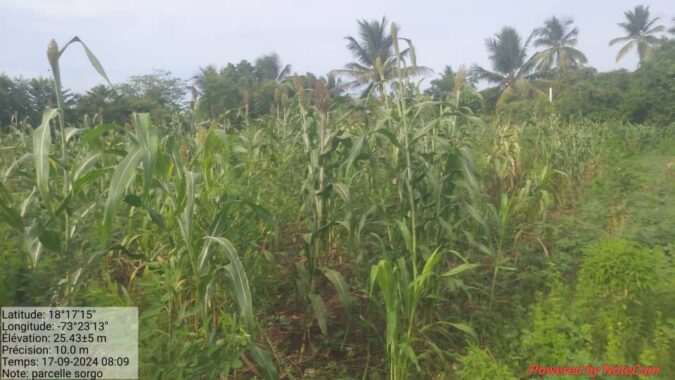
<point>479,364</point>
<point>558,335</point>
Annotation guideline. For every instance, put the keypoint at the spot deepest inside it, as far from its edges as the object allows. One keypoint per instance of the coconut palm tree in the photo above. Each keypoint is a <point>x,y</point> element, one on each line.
<point>206,75</point>
<point>641,30</point>
<point>224,89</point>
<point>269,67</point>
<point>558,38</point>
<point>511,72</point>
<point>375,59</point>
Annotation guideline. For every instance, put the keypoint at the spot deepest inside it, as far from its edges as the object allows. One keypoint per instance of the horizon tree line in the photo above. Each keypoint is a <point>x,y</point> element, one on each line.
<point>264,86</point>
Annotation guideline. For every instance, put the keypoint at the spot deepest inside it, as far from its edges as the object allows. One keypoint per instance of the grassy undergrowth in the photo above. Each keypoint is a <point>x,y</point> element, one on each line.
<point>610,281</point>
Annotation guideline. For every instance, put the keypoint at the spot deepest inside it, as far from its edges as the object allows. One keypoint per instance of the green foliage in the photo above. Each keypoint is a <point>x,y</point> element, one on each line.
<point>377,59</point>
<point>444,86</point>
<point>479,364</point>
<point>559,39</point>
<point>558,335</point>
<point>451,84</point>
<point>645,95</point>
<point>653,88</point>
<point>235,92</point>
<point>159,94</point>
<point>275,229</point>
<point>641,30</point>
<point>661,350</point>
<point>614,315</point>
<point>512,71</point>
<point>616,272</point>
<point>600,98</point>
<point>618,282</point>
<point>24,99</point>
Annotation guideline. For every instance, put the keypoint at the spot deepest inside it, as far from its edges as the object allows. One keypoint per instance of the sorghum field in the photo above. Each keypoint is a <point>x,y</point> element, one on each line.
<point>309,232</point>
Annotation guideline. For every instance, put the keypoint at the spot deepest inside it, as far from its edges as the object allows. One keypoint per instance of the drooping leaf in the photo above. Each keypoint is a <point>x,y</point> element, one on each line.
<point>406,234</point>
<point>410,353</point>
<point>92,58</point>
<point>340,286</point>
<point>320,312</point>
<point>32,243</point>
<point>71,132</point>
<point>64,205</point>
<point>216,228</point>
<point>81,182</point>
<point>16,163</point>
<point>122,177</point>
<point>7,212</point>
<point>149,143</point>
<point>42,140</point>
<point>11,216</point>
<point>459,269</point>
<point>411,52</point>
<point>355,151</point>
<point>465,328</point>
<point>238,281</point>
<point>428,270</point>
<point>264,360</point>
<point>389,134</point>
<point>85,164</point>
<point>260,212</point>
<point>156,217</point>
<point>343,192</point>
<point>185,219</point>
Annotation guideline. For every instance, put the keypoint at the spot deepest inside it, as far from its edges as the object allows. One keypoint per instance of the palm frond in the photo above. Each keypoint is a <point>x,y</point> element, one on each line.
<point>640,29</point>
<point>624,50</point>
<point>620,39</point>
<point>358,51</point>
<point>416,71</point>
<point>656,29</point>
<point>570,38</point>
<point>480,73</point>
<point>576,55</point>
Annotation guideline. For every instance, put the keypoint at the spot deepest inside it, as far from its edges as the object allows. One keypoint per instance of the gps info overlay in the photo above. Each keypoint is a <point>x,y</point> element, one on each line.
<point>69,343</point>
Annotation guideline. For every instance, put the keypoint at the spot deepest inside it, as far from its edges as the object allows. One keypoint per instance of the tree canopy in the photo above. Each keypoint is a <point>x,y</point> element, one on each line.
<point>558,38</point>
<point>375,58</point>
<point>640,33</point>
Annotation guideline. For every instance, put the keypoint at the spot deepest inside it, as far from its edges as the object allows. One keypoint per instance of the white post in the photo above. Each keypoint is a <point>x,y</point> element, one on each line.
<point>550,94</point>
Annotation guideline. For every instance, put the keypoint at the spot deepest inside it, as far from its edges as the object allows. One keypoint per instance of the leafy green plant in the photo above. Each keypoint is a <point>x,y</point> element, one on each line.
<point>479,364</point>
<point>557,336</point>
<point>617,272</point>
<point>403,294</point>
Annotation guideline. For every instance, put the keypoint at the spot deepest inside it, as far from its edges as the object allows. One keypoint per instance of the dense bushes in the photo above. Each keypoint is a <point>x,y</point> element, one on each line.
<point>646,95</point>
<point>479,364</point>
<point>618,313</point>
<point>23,99</point>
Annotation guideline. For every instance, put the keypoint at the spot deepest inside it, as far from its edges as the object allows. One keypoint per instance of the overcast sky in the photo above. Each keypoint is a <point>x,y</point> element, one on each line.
<point>134,37</point>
